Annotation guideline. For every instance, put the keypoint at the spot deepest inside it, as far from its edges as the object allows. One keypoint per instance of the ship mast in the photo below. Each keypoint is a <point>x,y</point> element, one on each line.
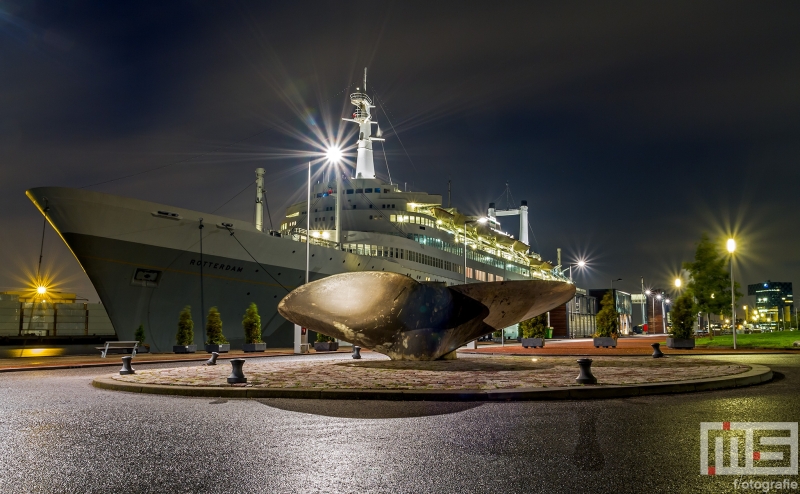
<point>259,199</point>
<point>365,167</point>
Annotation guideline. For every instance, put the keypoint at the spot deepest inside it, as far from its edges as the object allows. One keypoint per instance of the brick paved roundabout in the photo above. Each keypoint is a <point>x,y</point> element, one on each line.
<point>467,378</point>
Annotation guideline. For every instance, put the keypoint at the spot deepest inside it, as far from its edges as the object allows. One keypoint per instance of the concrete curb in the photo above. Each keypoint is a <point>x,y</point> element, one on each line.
<point>116,363</point>
<point>756,375</point>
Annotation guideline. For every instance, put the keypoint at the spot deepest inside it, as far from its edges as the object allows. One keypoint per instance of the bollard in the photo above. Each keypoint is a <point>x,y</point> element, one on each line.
<point>585,377</point>
<point>213,359</point>
<point>657,353</point>
<point>237,376</point>
<point>126,367</point>
<point>356,352</point>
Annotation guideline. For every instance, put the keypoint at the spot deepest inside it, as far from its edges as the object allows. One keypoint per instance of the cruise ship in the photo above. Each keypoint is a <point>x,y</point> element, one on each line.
<point>148,260</point>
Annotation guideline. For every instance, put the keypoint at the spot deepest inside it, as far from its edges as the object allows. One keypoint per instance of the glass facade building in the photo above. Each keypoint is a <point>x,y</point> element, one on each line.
<point>773,305</point>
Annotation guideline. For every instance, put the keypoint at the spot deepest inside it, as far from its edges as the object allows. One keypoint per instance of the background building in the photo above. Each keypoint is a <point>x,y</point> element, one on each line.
<point>773,305</point>
<point>623,303</point>
<point>575,318</point>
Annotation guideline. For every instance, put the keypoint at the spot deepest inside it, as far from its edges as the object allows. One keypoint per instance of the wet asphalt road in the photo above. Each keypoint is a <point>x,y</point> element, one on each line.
<point>59,434</point>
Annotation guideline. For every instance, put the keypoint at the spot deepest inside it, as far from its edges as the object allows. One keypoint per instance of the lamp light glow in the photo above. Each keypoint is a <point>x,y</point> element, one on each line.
<point>731,245</point>
<point>581,263</point>
<point>41,290</point>
<point>334,154</point>
<point>678,282</point>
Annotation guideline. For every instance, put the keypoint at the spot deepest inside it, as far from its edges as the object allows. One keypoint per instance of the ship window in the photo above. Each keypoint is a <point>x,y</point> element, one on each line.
<point>370,216</point>
<point>385,191</point>
<point>319,194</point>
<point>393,206</point>
<point>359,191</point>
<point>368,191</point>
<point>349,191</point>
<point>355,206</point>
<point>370,206</point>
<point>393,218</point>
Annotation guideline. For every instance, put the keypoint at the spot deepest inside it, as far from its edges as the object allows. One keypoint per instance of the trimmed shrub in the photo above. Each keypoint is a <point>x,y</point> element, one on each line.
<point>139,335</point>
<point>535,327</point>
<point>251,322</point>
<point>214,328</point>
<point>607,318</point>
<point>322,338</point>
<point>683,317</point>
<point>185,334</point>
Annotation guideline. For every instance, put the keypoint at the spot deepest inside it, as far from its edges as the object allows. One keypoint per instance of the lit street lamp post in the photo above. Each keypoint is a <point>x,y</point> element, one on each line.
<point>732,247</point>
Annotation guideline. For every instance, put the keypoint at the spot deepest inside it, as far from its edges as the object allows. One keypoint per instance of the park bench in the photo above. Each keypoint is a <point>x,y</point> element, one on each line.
<point>118,345</point>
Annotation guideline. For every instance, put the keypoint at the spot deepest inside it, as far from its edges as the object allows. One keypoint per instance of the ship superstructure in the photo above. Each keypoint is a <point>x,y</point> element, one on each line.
<point>147,260</point>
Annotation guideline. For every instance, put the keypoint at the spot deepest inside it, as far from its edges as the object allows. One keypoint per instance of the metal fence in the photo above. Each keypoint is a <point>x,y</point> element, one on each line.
<point>49,319</point>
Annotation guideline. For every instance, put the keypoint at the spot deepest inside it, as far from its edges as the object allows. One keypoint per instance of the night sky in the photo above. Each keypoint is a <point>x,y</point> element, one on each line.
<point>630,128</point>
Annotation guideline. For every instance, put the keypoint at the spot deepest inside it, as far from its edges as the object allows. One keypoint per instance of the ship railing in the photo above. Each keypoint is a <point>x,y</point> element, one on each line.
<point>300,235</point>
<point>356,98</point>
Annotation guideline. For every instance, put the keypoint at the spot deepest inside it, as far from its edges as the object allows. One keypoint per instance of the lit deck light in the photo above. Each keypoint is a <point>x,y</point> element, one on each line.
<point>41,290</point>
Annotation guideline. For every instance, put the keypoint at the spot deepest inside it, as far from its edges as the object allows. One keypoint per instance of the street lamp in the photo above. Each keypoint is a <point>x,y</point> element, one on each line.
<point>466,221</point>
<point>731,248</point>
<point>334,155</point>
<point>678,283</point>
<point>474,344</point>
<point>580,264</point>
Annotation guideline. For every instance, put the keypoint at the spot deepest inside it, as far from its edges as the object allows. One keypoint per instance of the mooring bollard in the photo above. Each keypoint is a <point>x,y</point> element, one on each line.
<point>213,359</point>
<point>356,352</point>
<point>237,376</point>
<point>585,377</point>
<point>126,366</point>
<point>657,353</point>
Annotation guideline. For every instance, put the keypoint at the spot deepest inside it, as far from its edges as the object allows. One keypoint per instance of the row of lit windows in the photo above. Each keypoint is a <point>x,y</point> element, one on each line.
<point>288,225</point>
<point>437,243</point>
<point>477,274</point>
<point>410,218</point>
<point>397,253</point>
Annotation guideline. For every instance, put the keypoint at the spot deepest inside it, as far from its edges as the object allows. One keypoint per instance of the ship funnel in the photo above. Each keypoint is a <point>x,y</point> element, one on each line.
<point>492,213</point>
<point>260,199</point>
<point>523,223</point>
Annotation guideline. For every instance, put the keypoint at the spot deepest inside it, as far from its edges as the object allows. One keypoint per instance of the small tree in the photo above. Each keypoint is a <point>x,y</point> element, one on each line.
<point>214,328</point>
<point>607,317</point>
<point>683,311</point>
<point>139,335</point>
<point>323,338</point>
<point>535,327</point>
<point>251,322</point>
<point>185,334</point>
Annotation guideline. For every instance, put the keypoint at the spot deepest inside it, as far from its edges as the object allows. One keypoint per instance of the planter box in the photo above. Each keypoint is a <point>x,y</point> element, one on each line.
<point>254,347</point>
<point>143,349</point>
<point>326,346</point>
<point>184,348</point>
<point>224,348</point>
<point>680,343</point>
<point>605,342</point>
<point>533,342</point>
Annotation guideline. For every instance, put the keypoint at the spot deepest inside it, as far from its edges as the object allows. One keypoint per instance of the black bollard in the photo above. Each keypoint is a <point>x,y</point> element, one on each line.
<point>237,376</point>
<point>585,377</point>
<point>126,367</point>
<point>213,359</point>
<point>356,352</point>
<point>657,353</point>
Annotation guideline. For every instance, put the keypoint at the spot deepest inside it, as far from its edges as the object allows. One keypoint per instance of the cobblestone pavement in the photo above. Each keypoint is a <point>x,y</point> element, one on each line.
<point>485,373</point>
